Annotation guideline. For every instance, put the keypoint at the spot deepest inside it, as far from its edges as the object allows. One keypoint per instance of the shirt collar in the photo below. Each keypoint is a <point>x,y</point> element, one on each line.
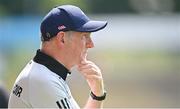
<point>51,64</point>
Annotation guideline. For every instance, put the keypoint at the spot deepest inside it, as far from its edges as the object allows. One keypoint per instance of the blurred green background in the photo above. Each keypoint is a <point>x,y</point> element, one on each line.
<point>138,52</point>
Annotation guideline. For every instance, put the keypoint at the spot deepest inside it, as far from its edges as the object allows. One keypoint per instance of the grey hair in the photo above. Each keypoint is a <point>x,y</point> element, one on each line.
<point>69,34</point>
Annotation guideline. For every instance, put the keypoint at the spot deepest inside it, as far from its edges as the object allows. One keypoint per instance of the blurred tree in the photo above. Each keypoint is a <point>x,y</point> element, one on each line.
<point>9,7</point>
<point>131,6</point>
<point>177,5</point>
<point>110,6</point>
<point>153,6</point>
<point>48,4</point>
<point>34,7</point>
<point>24,7</point>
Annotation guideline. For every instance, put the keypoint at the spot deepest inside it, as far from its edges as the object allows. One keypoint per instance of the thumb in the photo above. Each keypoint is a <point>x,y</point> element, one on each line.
<point>84,57</point>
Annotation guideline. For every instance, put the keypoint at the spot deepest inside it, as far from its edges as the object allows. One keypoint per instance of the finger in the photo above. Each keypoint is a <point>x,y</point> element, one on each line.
<point>84,57</point>
<point>88,66</point>
<point>85,66</point>
<point>92,77</point>
<point>91,71</point>
<point>86,62</point>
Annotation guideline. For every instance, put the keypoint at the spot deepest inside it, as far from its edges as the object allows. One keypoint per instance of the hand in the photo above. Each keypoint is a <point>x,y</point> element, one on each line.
<point>93,75</point>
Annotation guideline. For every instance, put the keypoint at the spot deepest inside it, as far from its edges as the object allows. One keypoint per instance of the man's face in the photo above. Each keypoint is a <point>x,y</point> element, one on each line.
<point>77,46</point>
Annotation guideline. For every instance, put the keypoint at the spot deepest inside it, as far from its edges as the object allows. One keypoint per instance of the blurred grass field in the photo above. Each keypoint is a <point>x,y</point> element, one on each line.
<point>132,78</point>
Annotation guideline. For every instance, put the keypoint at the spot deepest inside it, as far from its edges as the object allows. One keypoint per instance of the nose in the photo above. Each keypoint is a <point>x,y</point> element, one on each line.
<point>89,43</point>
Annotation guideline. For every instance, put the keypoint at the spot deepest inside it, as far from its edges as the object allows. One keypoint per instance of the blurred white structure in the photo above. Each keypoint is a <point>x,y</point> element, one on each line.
<point>142,32</point>
<point>152,6</point>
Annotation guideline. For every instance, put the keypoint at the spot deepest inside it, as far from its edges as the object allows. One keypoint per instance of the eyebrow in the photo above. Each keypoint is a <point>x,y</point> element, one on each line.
<point>86,33</point>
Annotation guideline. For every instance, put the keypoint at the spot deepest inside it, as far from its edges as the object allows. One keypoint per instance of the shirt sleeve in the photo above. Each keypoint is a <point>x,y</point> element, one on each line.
<point>48,94</point>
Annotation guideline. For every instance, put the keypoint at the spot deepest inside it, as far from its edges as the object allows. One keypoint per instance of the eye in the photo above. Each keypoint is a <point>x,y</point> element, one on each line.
<point>86,36</point>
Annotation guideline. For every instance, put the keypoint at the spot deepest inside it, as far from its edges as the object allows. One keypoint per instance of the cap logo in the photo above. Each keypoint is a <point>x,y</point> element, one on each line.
<point>61,27</point>
<point>48,35</point>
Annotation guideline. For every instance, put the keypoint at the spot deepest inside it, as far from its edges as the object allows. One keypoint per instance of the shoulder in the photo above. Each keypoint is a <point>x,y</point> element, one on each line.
<point>42,77</point>
<point>45,86</point>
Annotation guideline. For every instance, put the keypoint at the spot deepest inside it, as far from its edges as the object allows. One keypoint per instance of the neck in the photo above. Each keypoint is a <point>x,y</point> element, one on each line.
<point>57,56</point>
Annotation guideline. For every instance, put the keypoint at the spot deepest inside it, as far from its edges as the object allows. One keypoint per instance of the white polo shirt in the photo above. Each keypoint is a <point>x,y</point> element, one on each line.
<point>41,84</point>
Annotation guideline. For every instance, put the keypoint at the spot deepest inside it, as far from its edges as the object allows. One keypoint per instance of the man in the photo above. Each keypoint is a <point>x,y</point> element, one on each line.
<point>4,96</point>
<point>65,35</point>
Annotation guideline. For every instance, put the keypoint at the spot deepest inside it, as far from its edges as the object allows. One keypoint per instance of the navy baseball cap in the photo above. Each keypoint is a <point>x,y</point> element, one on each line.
<point>68,18</point>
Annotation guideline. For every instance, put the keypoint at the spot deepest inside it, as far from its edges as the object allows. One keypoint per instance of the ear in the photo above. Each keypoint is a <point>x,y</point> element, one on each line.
<point>60,38</point>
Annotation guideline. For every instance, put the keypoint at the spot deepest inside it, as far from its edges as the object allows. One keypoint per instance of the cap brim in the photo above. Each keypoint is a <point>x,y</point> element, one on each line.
<point>92,26</point>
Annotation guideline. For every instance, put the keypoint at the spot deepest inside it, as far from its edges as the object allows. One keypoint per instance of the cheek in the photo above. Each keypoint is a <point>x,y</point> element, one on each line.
<point>80,45</point>
<point>77,48</point>
<point>78,51</point>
